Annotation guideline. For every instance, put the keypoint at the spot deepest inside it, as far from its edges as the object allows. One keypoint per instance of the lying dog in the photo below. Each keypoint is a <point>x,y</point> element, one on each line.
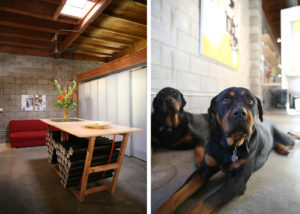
<point>175,128</point>
<point>239,145</point>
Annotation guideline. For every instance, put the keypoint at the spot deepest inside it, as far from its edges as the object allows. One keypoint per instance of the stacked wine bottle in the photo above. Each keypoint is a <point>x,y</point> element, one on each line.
<point>70,156</point>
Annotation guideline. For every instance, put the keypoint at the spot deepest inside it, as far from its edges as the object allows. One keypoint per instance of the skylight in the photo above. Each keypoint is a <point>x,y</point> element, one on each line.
<point>77,8</point>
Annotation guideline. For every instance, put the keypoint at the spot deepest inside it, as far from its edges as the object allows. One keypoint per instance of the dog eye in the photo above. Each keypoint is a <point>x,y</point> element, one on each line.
<point>250,101</point>
<point>226,100</point>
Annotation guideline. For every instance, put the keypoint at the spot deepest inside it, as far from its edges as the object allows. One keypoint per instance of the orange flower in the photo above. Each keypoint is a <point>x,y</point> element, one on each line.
<point>70,96</point>
<point>75,95</point>
<point>64,92</point>
<point>60,98</point>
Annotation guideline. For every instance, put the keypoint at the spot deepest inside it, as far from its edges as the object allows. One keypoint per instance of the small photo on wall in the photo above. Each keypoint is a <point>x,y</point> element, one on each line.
<point>40,102</point>
<point>27,102</point>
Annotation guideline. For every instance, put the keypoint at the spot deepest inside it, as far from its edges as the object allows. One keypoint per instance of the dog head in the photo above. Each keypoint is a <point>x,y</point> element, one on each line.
<point>169,101</point>
<point>235,110</point>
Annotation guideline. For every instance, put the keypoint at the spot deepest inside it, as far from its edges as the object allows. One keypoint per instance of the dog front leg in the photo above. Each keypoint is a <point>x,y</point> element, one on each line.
<point>195,181</point>
<point>234,186</point>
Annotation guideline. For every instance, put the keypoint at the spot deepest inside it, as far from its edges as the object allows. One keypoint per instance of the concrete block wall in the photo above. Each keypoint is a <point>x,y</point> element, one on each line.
<point>32,75</point>
<point>176,59</point>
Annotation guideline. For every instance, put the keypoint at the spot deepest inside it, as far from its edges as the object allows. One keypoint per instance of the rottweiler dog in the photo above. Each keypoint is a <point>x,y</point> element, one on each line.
<point>239,145</point>
<point>172,127</point>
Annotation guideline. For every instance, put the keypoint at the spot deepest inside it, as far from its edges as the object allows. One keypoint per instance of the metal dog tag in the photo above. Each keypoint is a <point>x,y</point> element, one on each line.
<point>234,157</point>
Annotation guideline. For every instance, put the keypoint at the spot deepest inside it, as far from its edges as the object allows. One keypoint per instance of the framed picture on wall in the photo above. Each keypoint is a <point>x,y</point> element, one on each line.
<point>27,102</point>
<point>219,31</point>
<point>40,102</point>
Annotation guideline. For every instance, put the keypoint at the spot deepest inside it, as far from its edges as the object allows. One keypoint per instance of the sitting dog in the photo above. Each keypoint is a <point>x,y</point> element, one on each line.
<point>175,128</point>
<point>239,145</point>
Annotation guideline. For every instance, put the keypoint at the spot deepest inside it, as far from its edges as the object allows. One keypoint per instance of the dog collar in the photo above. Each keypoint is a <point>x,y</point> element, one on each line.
<point>162,128</point>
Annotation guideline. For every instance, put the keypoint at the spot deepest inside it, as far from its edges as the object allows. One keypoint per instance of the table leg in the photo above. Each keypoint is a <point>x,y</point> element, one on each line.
<point>119,162</point>
<point>87,165</point>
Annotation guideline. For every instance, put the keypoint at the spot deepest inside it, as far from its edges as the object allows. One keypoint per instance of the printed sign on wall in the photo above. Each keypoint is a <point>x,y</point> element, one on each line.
<point>40,102</point>
<point>27,102</point>
<point>219,31</point>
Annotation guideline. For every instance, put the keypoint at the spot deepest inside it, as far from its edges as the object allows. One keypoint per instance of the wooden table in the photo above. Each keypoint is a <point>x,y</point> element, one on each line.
<point>78,129</point>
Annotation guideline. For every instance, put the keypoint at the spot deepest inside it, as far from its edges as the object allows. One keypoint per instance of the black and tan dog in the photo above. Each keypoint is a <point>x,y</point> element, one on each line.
<point>175,128</point>
<point>239,145</point>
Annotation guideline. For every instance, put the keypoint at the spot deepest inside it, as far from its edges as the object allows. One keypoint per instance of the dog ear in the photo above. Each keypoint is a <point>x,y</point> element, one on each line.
<point>183,102</point>
<point>260,109</point>
<point>212,108</point>
<point>155,103</point>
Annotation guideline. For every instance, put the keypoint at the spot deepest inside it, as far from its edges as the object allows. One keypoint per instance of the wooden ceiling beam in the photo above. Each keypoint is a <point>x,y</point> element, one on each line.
<point>27,51</point>
<point>36,15</point>
<point>117,64</point>
<point>140,3</point>
<point>271,3</point>
<point>59,9</point>
<point>111,40</point>
<point>25,44</point>
<point>94,47</point>
<point>130,21</point>
<point>53,1</point>
<point>91,53</point>
<point>98,51</point>
<point>134,48</point>
<point>30,27</point>
<point>127,34</point>
<point>87,20</point>
<point>83,57</point>
<point>22,36</point>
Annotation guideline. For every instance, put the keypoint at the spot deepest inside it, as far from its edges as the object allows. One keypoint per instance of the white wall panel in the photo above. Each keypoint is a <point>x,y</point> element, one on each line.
<point>111,98</point>
<point>81,103</point>
<point>123,104</point>
<point>87,100</point>
<point>94,100</point>
<point>139,112</point>
<point>121,99</point>
<point>102,116</point>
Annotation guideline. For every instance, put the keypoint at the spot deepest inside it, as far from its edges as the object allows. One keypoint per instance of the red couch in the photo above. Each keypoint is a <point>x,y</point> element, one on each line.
<point>27,133</point>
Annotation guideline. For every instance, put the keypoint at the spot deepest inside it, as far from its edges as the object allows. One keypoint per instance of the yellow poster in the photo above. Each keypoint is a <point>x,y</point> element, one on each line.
<point>220,31</point>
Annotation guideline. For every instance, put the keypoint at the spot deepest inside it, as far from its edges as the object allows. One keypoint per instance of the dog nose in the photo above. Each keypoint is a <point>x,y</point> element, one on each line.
<point>169,100</point>
<point>239,112</point>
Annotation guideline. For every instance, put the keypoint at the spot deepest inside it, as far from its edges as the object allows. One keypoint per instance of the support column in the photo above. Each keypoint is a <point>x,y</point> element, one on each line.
<point>256,60</point>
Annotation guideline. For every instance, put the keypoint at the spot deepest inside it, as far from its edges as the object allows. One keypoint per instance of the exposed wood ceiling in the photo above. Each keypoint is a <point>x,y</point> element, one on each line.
<point>113,28</point>
<point>272,11</point>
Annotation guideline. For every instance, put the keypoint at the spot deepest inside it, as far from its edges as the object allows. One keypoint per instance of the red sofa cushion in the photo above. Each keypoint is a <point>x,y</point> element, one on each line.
<point>26,125</point>
<point>32,135</point>
<point>27,133</point>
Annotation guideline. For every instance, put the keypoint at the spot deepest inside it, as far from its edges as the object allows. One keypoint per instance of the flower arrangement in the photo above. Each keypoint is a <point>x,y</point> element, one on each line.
<point>270,72</point>
<point>67,98</point>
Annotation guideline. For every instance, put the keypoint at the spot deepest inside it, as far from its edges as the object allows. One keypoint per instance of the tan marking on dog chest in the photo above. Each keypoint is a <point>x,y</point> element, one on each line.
<point>237,164</point>
<point>172,121</point>
<point>210,161</point>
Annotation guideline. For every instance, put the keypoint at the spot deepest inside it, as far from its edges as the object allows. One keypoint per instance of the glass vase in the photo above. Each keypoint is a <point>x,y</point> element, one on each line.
<point>65,113</point>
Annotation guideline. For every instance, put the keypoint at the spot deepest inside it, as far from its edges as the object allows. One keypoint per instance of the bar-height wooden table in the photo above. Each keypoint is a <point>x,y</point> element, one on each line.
<point>79,130</point>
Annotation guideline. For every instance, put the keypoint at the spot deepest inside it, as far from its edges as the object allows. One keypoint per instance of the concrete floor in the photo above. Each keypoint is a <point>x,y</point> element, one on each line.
<point>275,188</point>
<point>28,185</point>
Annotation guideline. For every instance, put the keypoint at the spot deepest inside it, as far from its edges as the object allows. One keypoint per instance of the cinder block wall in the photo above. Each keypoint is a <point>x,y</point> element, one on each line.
<point>176,59</point>
<point>31,75</point>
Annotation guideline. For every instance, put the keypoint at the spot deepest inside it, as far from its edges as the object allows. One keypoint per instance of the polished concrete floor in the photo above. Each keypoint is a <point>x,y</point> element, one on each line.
<point>29,186</point>
<point>275,188</point>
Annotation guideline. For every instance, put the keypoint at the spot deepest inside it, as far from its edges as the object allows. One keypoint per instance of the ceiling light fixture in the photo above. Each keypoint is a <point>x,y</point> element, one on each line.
<point>77,8</point>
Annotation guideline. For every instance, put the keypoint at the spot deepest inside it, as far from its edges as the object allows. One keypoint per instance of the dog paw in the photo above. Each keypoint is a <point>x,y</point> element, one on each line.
<point>282,149</point>
<point>198,155</point>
